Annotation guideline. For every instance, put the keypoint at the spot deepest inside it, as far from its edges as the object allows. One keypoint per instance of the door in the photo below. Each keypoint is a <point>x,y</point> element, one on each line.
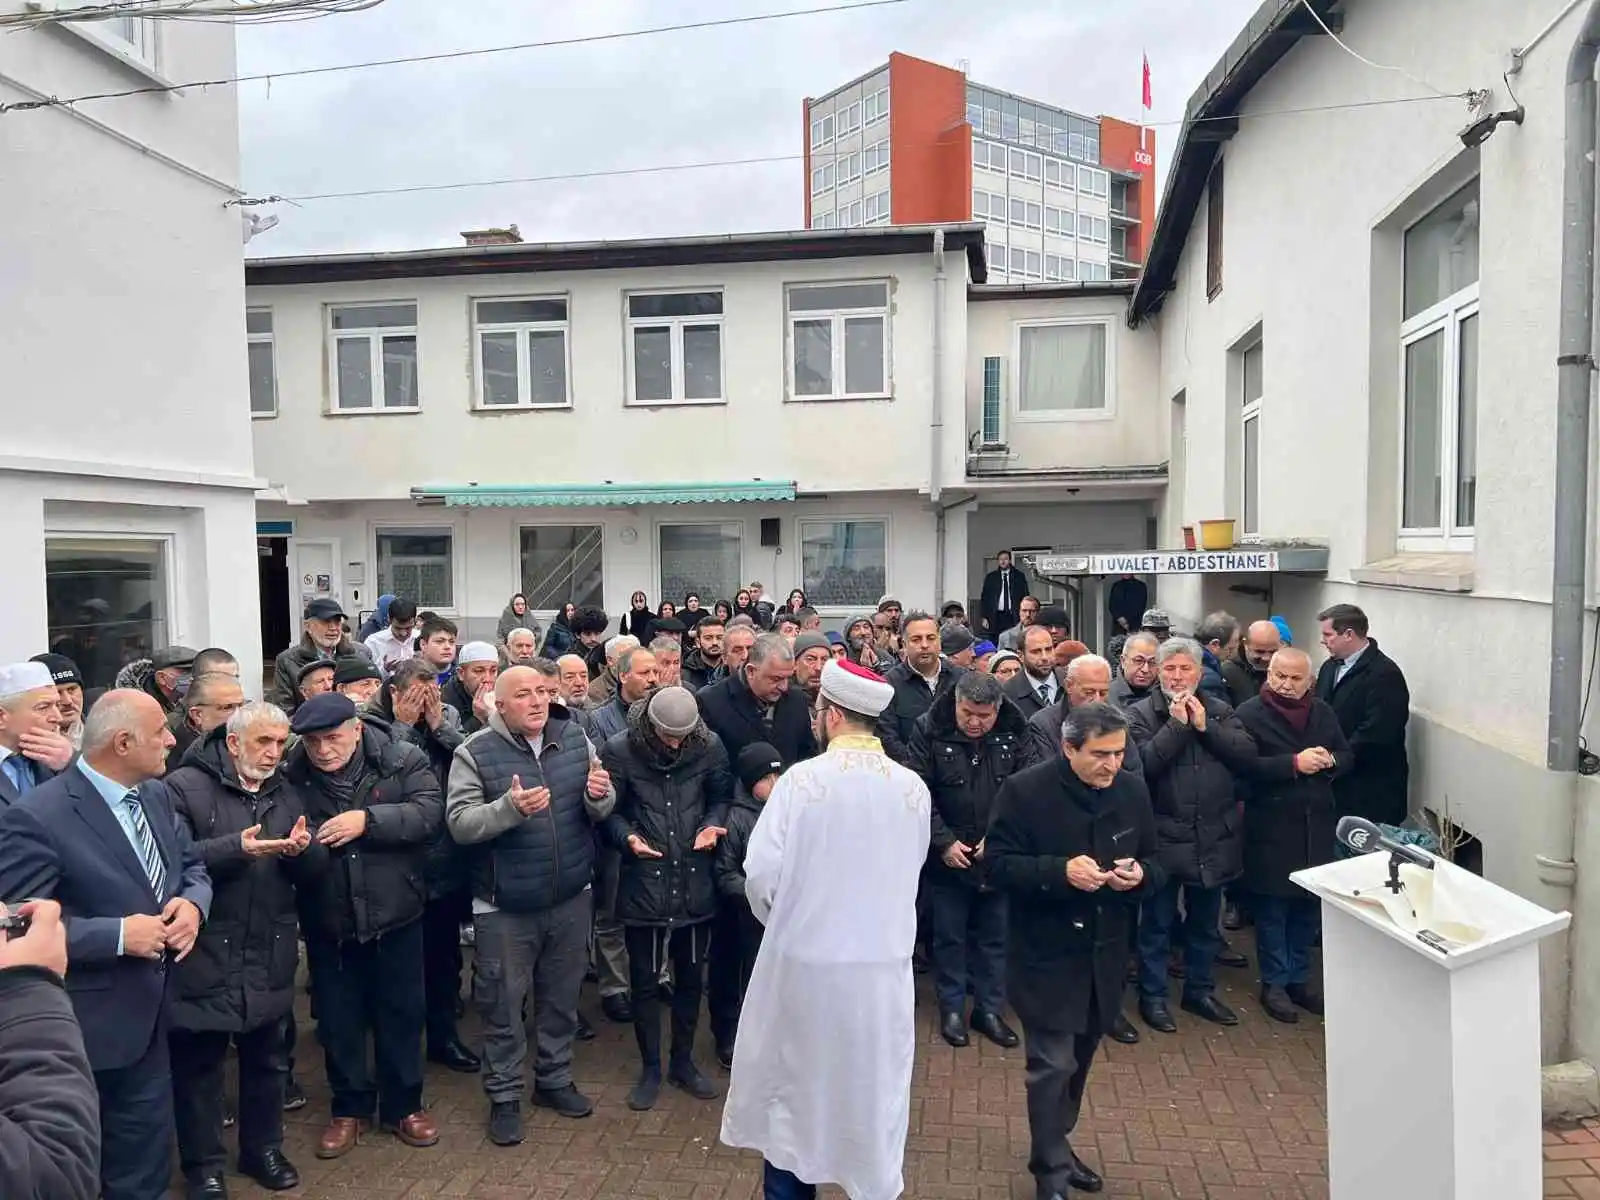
<point>316,571</point>
<point>1069,596</point>
<point>277,621</point>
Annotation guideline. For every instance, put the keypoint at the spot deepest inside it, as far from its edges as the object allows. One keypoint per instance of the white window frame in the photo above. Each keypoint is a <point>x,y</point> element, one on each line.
<point>676,326</point>
<point>375,336</point>
<point>837,610</point>
<point>524,367</point>
<point>655,549</point>
<point>141,53</point>
<point>268,339</point>
<point>1250,411</point>
<point>1446,317</point>
<point>1093,229</point>
<point>850,215</point>
<point>989,150</point>
<point>849,121</point>
<point>822,131</point>
<point>875,158</point>
<point>822,179</point>
<point>517,529</point>
<point>837,340</point>
<point>875,107</point>
<point>822,220</point>
<point>848,168</point>
<point>878,201</point>
<point>86,523</point>
<point>1016,412</point>
<point>403,530</point>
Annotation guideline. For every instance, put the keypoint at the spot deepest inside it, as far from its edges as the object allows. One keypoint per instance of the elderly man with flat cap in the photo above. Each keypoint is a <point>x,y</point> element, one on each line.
<point>324,638</point>
<point>832,870</point>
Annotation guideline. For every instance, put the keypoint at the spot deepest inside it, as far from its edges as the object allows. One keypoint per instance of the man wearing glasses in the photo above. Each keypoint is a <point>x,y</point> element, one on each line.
<point>1138,674</point>
<point>209,702</point>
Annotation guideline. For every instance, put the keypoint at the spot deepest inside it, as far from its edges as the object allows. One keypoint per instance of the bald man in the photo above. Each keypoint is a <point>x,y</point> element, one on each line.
<point>1246,671</point>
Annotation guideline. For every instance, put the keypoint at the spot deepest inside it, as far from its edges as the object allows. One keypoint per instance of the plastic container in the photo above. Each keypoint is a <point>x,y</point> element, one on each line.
<point>1216,535</point>
<point>1188,538</point>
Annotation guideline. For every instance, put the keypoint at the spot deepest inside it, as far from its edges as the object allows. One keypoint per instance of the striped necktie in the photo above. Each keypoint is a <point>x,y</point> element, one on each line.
<point>149,853</point>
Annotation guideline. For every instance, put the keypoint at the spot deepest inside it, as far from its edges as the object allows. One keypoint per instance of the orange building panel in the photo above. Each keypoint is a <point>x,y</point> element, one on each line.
<point>930,143</point>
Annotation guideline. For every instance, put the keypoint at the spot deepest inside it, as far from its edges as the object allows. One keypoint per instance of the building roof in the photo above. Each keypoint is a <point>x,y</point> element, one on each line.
<point>1049,291</point>
<point>1210,119</point>
<point>787,246</point>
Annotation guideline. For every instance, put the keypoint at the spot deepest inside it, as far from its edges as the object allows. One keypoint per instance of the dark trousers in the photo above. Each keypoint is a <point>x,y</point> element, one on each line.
<point>197,1093</point>
<point>136,1125</point>
<point>1202,938</point>
<point>967,941</point>
<point>778,1184</point>
<point>291,1035</point>
<point>371,989</point>
<point>648,945</point>
<point>725,973</point>
<point>1286,928</point>
<point>1057,1074</point>
<point>441,965</point>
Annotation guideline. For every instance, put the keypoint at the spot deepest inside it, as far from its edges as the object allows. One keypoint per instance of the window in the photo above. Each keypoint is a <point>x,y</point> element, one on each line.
<point>821,131</point>
<point>876,106</point>
<point>522,353</point>
<point>374,357</point>
<point>991,401</point>
<point>705,559</point>
<point>561,563</point>
<point>1060,268</point>
<point>1251,380</point>
<point>849,168</point>
<point>1033,265</point>
<point>677,347</point>
<point>1092,229</point>
<point>1214,232</point>
<point>1093,272</point>
<point>850,215</point>
<point>844,564</point>
<point>876,209</point>
<point>417,564</point>
<point>989,157</point>
<point>1060,174</point>
<point>1094,182</point>
<point>263,368</point>
<point>850,119</point>
<point>995,256</point>
<point>821,178</point>
<point>839,340</point>
<point>1077,146</point>
<point>1060,222</point>
<point>875,158</point>
<point>1439,351</point>
<point>822,221</point>
<point>1026,166</point>
<point>131,38</point>
<point>1062,370</point>
<point>107,600</point>
<point>975,113</point>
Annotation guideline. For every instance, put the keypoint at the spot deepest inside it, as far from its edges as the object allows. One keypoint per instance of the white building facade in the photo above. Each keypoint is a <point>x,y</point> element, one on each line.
<point>126,488</point>
<point>580,422</point>
<point>1358,338</point>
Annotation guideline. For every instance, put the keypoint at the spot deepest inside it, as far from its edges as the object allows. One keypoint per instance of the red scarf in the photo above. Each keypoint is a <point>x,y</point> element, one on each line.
<point>1296,712</point>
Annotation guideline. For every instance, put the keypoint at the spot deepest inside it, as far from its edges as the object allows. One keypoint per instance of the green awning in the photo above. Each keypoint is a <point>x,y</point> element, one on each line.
<point>608,494</point>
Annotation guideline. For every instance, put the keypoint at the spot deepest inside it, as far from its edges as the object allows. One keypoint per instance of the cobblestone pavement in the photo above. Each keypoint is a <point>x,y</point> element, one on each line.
<point>1215,1114</point>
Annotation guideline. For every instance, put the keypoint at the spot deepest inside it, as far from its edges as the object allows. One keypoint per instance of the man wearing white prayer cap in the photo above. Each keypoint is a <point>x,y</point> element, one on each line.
<point>831,871</point>
<point>32,747</point>
<point>471,688</point>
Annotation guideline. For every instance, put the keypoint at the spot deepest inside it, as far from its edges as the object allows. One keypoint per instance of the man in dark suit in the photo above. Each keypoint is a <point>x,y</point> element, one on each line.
<point>1038,685</point>
<point>102,840</point>
<point>757,704</point>
<point>1003,590</point>
<point>32,747</point>
<point>1368,692</point>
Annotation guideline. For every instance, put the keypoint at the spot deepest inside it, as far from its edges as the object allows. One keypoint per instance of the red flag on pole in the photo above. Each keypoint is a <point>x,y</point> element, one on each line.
<point>1147,82</point>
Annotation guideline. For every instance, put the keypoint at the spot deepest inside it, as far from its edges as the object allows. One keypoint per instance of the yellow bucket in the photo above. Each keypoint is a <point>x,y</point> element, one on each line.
<point>1216,535</point>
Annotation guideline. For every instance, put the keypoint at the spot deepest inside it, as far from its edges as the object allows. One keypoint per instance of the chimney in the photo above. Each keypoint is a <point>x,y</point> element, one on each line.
<point>509,236</point>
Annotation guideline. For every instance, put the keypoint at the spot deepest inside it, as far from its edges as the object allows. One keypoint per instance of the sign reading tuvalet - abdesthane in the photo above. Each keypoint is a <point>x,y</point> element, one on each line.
<point>1158,562</point>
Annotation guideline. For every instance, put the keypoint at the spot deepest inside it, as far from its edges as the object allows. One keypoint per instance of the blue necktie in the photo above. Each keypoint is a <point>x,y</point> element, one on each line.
<point>20,772</point>
<point>149,853</point>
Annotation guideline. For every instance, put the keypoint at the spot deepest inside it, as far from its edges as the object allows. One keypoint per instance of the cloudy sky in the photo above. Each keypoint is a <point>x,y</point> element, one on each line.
<point>696,96</point>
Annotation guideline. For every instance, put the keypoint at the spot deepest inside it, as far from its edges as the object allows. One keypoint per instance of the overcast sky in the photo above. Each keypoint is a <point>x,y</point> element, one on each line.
<point>650,101</point>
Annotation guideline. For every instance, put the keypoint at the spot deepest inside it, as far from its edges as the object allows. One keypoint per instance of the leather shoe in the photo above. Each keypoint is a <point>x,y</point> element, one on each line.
<point>339,1138</point>
<point>567,1101</point>
<point>1156,1014</point>
<point>505,1122</point>
<point>996,1030</point>
<point>271,1170</point>
<point>585,1031</point>
<point>417,1130</point>
<point>685,1076</point>
<point>725,1054</point>
<point>208,1187</point>
<point>1229,957</point>
<point>1303,996</point>
<point>617,1008</point>
<point>1209,1008</point>
<point>455,1056</point>
<point>953,1029</point>
<point>1122,1030</point>
<point>1276,1004</point>
<point>1081,1178</point>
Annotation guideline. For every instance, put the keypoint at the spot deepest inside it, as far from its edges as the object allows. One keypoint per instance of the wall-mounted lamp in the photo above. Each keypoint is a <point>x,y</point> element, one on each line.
<point>1477,133</point>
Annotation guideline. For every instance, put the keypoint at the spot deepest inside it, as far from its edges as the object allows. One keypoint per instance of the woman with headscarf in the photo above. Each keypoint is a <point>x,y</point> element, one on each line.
<point>744,606</point>
<point>724,610</point>
<point>560,639</point>
<point>378,620</point>
<point>692,611</point>
<point>639,618</point>
<point>796,601</point>
<point>666,611</point>
<point>516,616</point>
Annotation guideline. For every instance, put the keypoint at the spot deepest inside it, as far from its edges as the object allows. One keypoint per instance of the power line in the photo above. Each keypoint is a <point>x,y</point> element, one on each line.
<point>759,160</point>
<point>443,56</point>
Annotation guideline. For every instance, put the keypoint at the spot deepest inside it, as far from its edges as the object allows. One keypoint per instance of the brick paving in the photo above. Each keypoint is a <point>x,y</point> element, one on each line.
<point>1572,1159</point>
<point>1208,1113</point>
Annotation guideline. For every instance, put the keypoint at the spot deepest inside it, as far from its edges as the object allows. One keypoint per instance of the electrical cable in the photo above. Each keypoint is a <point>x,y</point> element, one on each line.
<point>250,12</point>
<point>443,56</point>
<point>1359,57</point>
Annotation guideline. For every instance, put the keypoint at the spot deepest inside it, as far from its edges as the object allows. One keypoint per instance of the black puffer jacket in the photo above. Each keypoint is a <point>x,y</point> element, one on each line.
<point>374,883</point>
<point>240,975</point>
<point>445,870</point>
<point>698,673</point>
<point>964,777</point>
<point>667,798</point>
<point>1193,778</point>
<point>742,818</point>
<point>911,699</point>
<point>734,715</point>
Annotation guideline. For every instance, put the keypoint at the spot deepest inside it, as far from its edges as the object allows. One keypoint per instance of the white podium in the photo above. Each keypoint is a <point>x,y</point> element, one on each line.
<point>1432,1057</point>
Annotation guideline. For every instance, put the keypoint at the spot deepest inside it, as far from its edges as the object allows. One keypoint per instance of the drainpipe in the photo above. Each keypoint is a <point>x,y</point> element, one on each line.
<point>936,432</point>
<point>1573,1086</point>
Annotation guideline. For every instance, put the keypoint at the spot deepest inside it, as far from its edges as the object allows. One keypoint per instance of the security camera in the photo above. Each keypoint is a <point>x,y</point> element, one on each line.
<point>1477,133</point>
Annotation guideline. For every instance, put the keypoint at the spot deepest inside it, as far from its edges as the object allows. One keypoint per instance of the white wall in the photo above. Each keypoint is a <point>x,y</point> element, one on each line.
<point>756,433</point>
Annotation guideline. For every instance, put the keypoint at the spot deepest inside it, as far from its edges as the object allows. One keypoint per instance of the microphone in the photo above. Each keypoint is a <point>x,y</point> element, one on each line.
<point>1362,836</point>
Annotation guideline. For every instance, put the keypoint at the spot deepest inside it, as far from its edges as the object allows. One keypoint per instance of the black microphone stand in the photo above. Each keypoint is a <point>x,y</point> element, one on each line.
<point>1394,884</point>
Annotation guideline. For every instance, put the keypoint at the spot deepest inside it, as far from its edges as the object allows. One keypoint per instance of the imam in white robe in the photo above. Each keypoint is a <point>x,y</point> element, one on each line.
<point>827,1035</point>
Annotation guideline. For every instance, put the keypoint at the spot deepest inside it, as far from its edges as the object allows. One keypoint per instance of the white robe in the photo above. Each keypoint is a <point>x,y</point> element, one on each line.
<point>822,1066</point>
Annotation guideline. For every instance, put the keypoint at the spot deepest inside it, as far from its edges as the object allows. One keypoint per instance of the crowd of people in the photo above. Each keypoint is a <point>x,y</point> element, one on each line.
<point>570,802</point>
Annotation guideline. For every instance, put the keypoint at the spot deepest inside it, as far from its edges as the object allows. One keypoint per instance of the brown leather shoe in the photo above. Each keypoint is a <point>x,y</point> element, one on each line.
<point>339,1138</point>
<point>417,1130</point>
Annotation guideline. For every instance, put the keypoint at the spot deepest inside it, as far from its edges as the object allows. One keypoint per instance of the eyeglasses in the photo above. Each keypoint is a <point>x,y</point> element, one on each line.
<point>1141,661</point>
